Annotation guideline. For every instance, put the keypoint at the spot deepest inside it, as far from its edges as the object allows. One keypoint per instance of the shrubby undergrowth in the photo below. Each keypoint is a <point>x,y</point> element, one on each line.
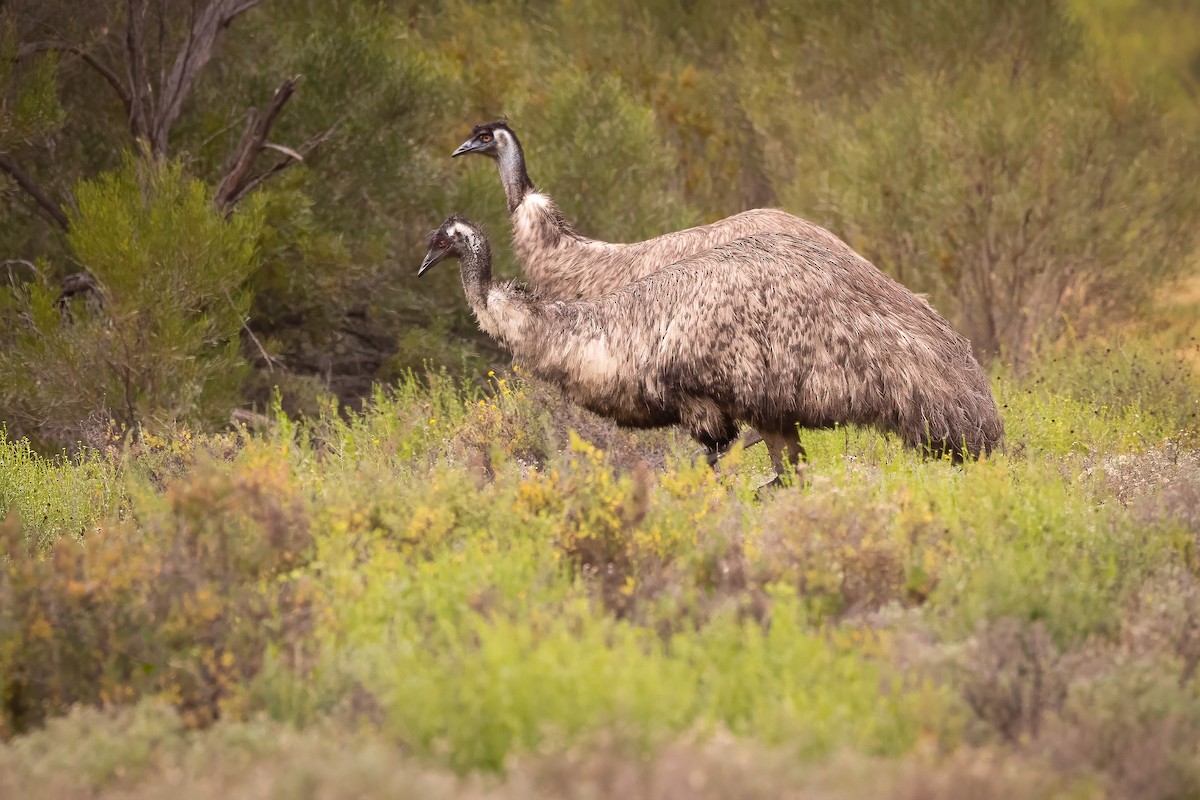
<point>474,575</point>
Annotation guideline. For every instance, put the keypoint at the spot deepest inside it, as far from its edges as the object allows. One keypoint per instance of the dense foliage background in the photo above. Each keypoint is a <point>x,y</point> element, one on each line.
<point>311,536</point>
<point>1027,164</point>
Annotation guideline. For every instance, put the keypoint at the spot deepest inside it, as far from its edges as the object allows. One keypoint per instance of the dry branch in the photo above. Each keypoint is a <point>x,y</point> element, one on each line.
<point>192,57</point>
<point>289,158</point>
<point>106,72</point>
<point>237,182</point>
<point>142,97</point>
<point>253,140</point>
<point>33,190</point>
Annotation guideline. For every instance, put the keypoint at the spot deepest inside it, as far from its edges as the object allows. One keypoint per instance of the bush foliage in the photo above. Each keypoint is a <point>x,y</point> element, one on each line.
<point>1025,164</point>
<point>401,573</point>
<point>460,574</point>
<point>159,343</point>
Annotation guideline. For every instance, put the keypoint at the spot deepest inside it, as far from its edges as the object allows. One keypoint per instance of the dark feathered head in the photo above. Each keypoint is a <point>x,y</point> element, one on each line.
<point>452,238</point>
<point>489,139</point>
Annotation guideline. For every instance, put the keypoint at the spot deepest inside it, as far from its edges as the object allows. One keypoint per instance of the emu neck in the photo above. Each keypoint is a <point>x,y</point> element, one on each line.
<point>475,268</point>
<point>501,311</point>
<point>513,175</point>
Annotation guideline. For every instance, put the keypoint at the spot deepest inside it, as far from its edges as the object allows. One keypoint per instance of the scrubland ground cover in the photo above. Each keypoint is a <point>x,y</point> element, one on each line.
<point>411,576</point>
<point>467,592</point>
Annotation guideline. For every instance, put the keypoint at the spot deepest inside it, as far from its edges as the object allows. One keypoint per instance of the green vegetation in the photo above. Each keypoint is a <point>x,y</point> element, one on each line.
<point>456,575</point>
<point>275,520</point>
<point>160,342</point>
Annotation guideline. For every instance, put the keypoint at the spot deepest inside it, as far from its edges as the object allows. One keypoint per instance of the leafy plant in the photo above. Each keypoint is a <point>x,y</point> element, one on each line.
<point>156,340</point>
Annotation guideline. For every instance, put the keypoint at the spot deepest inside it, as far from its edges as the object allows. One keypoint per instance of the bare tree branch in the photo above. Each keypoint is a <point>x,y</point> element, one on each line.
<point>197,51</point>
<point>237,183</point>
<point>303,150</point>
<point>184,54</point>
<point>95,63</point>
<point>271,361</point>
<point>282,148</point>
<point>142,105</point>
<point>252,142</point>
<point>33,190</point>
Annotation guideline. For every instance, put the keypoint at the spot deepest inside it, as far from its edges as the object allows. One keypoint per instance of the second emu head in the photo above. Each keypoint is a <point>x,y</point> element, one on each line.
<point>454,238</point>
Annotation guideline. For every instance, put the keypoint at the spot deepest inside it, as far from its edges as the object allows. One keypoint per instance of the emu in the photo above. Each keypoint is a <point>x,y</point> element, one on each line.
<point>772,329</point>
<point>561,263</point>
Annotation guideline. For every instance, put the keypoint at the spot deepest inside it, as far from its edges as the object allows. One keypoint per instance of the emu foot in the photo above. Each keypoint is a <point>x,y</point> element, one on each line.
<point>751,437</point>
<point>770,487</point>
<point>713,454</point>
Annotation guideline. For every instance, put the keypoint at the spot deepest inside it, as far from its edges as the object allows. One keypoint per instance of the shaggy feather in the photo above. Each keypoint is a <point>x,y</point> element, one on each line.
<point>774,330</point>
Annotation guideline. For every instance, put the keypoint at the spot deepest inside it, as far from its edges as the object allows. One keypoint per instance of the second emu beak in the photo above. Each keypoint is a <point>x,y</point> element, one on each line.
<point>465,147</point>
<point>431,258</point>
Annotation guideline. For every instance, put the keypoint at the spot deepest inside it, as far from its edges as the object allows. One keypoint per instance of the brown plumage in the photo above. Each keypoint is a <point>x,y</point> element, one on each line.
<point>773,330</point>
<point>561,263</point>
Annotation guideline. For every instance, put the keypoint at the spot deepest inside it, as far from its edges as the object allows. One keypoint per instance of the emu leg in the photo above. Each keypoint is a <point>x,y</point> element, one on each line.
<point>715,430</point>
<point>787,454</point>
<point>713,452</point>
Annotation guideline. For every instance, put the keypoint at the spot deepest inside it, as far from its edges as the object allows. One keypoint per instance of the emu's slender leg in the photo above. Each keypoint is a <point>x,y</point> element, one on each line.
<point>787,453</point>
<point>751,437</point>
<point>713,453</point>
<point>715,450</point>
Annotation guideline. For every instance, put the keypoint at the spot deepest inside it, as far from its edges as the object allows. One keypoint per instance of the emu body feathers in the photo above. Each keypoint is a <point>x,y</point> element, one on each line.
<point>772,329</point>
<point>561,263</point>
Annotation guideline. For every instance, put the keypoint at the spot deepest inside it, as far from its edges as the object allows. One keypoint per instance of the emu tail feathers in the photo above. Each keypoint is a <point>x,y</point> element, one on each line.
<point>959,424</point>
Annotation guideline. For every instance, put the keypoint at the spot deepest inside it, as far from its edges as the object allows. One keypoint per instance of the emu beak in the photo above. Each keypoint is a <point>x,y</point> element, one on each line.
<point>469,146</point>
<point>432,257</point>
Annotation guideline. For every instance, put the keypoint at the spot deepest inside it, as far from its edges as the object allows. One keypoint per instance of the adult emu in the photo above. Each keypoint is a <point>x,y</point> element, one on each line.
<point>772,330</point>
<point>561,263</point>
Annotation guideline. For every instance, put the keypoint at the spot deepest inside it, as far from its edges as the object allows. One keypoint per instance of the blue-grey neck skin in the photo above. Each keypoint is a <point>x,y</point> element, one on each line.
<point>510,160</point>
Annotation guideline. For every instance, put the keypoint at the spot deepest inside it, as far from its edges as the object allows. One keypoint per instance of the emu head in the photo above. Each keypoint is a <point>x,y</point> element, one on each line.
<point>454,238</point>
<point>492,139</point>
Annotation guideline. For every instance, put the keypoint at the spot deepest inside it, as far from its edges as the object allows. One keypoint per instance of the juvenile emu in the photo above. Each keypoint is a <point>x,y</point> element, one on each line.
<point>771,329</point>
<point>561,263</point>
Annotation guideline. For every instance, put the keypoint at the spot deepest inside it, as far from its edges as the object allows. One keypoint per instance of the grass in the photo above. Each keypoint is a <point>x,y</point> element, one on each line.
<point>465,592</point>
<point>55,497</point>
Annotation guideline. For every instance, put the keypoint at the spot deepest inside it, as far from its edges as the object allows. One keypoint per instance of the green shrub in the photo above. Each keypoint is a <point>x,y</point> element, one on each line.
<point>182,607</point>
<point>1014,202</point>
<point>158,341</point>
<point>29,105</point>
<point>603,127</point>
<point>53,498</point>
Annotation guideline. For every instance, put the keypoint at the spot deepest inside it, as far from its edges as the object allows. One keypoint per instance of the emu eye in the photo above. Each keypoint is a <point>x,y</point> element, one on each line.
<point>441,244</point>
<point>485,137</point>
